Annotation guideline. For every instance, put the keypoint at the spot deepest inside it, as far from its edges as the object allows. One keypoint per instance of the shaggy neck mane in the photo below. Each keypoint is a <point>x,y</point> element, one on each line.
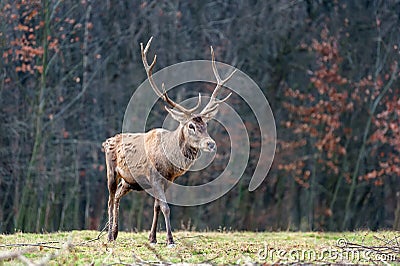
<point>189,152</point>
<point>180,152</point>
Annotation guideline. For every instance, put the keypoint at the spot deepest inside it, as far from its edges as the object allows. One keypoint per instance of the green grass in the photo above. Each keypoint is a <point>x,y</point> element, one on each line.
<point>205,247</point>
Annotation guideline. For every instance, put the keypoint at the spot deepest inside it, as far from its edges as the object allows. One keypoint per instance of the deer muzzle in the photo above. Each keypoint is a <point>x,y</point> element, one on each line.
<point>208,145</point>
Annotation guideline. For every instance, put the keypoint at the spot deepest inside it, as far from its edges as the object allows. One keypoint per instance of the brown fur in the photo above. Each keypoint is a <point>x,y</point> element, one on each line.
<point>137,161</point>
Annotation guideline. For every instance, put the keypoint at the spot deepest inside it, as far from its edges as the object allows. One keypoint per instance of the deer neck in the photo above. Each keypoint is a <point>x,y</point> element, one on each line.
<point>190,153</point>
<point>182,153</point>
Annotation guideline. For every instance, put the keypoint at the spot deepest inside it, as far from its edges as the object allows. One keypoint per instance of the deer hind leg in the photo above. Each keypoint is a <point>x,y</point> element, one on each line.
<point>112,188</point>
<point>122,190</point>
<point>153,231</point>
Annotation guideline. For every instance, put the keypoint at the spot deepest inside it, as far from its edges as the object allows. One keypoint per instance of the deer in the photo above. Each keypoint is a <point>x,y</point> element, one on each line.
<point>139,161</point>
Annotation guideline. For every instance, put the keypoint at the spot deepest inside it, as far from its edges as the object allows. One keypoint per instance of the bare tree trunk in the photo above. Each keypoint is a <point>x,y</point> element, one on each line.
<point>85,84</point>
<point>361,154</point>
<point>24,219</point>
<point>396,224</point>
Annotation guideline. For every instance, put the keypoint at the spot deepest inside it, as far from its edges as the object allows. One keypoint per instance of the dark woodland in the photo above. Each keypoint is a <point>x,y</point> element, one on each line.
<point>329,70</point>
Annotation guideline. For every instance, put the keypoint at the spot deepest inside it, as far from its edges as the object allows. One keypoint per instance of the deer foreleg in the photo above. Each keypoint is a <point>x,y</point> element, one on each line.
<point>165,210</point>
<point>158,189</point>
<point>153,231</point>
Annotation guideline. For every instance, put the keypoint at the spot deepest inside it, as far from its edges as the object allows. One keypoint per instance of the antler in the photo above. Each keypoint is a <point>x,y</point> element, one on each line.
<point>214,102</point>
<point>163,95</point>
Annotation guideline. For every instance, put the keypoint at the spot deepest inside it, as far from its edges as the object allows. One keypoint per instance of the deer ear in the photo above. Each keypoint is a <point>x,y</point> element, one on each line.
<point>176,115</point>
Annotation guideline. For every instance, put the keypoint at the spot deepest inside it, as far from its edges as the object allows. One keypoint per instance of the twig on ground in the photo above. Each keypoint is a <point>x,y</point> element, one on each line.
<point>40,245</point>
<point>49,256</point>
<point>187,237</point>
<point>93,239</point>
<point>392,244</point>
<point>18,254</point>
<point>52,255</point>
<point>141,261</point>
<point>390,249</point>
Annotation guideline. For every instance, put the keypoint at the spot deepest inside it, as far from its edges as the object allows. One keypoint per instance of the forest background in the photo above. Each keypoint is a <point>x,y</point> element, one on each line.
<point>328,68</point>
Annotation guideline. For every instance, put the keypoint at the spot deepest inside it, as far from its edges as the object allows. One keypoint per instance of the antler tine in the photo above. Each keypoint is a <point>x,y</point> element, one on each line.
<point>163,95</point>
<point>149,68</point>
<point>214,66</point>
<point>214,102</point>
<point>192,110</point>
<point>172,103</point>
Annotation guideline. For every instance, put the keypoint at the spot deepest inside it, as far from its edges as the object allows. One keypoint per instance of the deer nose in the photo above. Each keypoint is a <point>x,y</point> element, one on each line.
<point>211,145</point>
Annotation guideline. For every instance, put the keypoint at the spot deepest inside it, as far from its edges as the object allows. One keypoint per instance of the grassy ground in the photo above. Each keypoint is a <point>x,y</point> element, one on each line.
<point>82,247</point>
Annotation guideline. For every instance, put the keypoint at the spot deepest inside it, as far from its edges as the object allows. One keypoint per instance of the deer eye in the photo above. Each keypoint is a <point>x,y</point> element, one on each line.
<point>192,127</point>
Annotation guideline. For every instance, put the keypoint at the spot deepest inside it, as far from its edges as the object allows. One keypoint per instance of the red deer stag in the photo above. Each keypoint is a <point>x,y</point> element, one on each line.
<point>137,161</point>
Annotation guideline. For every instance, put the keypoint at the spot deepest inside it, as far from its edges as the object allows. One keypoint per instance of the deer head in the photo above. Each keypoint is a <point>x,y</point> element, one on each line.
<point>192,123</point>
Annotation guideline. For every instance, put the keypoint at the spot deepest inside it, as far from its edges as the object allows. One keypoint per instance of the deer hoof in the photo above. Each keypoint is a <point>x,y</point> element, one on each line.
<point>153,244</point>
<point>172,245</point>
